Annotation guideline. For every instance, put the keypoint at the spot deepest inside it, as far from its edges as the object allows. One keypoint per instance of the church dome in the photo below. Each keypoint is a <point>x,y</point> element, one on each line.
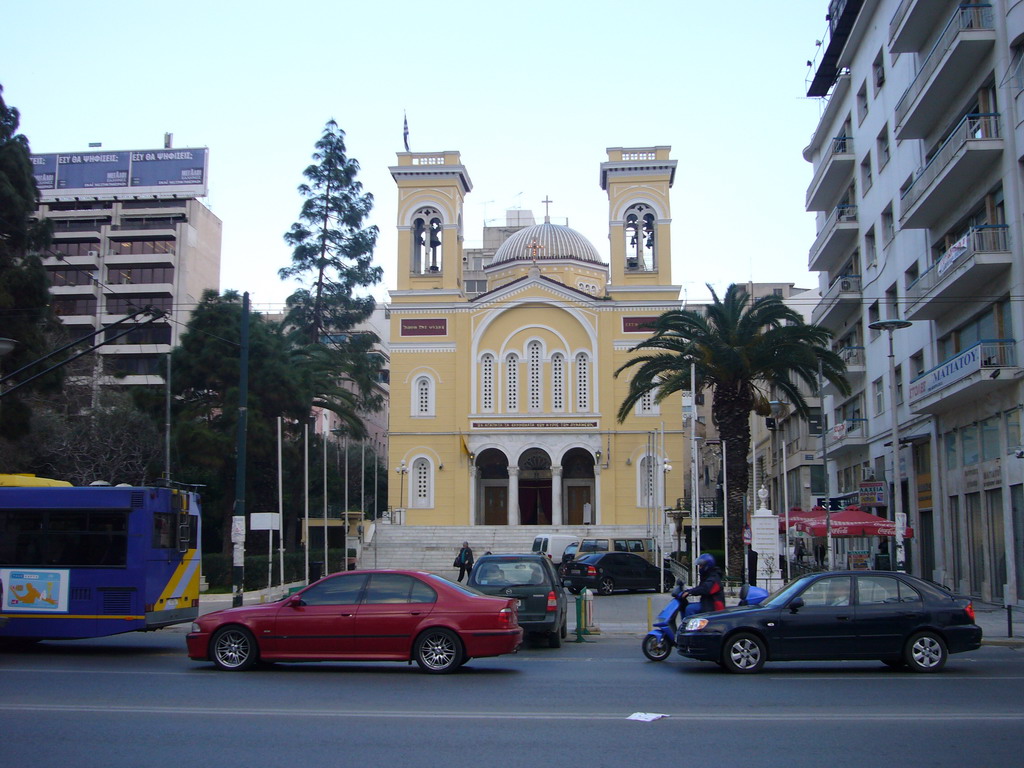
<point>545,242</point>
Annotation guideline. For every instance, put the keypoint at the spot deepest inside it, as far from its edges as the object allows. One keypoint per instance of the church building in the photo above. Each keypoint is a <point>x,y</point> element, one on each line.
<point>503,395</point>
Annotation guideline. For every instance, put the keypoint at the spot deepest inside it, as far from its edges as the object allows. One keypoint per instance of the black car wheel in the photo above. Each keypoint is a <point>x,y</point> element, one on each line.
<point>656,648</point>
<point>565,628</point>
<point>234,649</point>
<point>438,651</point>
<point>554,639</point>
<point>606,586</point>
<point>925,652</point>
<point>744,653</point>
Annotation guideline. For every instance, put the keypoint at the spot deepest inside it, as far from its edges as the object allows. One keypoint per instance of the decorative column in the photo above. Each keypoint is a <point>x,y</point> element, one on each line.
<point>596,519</point>
<point>556,495</point>
<point>764,539</point>
<point>513,495</point>
<point>474,475</point>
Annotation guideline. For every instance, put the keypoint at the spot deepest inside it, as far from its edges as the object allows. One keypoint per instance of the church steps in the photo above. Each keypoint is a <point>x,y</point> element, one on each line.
<point>433,549</point>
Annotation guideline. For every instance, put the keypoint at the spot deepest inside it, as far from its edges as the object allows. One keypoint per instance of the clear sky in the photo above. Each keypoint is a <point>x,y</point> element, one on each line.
<point>531,93</point>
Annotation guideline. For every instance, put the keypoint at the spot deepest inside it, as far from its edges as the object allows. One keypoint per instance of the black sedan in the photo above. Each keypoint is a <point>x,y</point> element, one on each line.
<point>843,615</point>
<point>608,571</point>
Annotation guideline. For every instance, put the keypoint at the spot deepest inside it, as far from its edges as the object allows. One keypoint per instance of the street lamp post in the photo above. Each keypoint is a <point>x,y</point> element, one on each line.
<point>780,409</point>
<point>402,471</point>
<point>899,518</point>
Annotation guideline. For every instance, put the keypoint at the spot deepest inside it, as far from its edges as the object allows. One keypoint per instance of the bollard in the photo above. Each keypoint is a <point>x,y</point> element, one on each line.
<point>581,617</point>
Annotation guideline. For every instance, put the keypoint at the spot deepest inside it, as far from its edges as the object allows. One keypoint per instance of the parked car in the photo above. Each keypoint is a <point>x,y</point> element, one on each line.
<point>638,546</point>
<point>554,546</point>
<point>893,617</point>
<point>534,583</point>
<point>363,616</point>
<point>567,557</point>
<point>606,572</point>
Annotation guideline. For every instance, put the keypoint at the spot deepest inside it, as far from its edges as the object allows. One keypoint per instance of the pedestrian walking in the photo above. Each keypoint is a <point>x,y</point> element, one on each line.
<point>464,560</point>
<point>819,554</point>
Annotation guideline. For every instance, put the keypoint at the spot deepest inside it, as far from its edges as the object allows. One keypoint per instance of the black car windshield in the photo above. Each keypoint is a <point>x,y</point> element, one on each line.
<point>782,596</point>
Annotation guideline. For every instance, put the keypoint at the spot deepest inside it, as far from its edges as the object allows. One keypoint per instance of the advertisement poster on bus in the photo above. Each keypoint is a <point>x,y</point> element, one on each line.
<point>35,589</point>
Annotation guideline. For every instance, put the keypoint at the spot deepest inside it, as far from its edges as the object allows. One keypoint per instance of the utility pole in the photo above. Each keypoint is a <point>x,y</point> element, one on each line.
<point>238,520</point>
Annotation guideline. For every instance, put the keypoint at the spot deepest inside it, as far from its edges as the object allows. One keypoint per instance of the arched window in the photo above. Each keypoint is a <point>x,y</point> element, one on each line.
<point>558,382</point>
<point>427,228</point>
<point>534,360</point>
<point>512,383</point>
<point>423,396</point>
<point>487,383</point>
<point>639,234</point>
<point>582,382</point>
<point>421,488</point>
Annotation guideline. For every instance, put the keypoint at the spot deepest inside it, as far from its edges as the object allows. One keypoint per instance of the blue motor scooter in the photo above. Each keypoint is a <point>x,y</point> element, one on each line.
<point>659,642</point>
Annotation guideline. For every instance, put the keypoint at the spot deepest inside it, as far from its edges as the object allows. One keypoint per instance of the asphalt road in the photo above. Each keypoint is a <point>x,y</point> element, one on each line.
<point>136,700</point>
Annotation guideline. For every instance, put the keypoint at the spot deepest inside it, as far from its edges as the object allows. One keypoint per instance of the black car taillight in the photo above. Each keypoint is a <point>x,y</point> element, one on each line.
<point>969,610</point>
<point>552,601</point>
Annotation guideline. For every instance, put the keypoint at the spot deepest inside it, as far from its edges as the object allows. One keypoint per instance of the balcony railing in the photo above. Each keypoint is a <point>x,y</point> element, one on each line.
<point>852,355</point>
<point>841,145</point>
<point>965,17</point>
<point>984,239</point>
<point>841,214</point>
<point>985,126</point>
<point>988,353</point>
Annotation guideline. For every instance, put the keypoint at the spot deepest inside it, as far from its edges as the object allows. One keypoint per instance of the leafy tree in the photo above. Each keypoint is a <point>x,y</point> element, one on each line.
<point>741,349</point>
<point>25,314</point>
<point>332,250</point>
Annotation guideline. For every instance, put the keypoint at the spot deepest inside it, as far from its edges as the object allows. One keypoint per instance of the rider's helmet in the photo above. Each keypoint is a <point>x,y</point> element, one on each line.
<point>705,562</point>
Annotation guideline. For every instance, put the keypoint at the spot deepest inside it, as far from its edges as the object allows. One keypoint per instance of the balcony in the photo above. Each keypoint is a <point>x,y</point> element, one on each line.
<point>970,264</point>
<point>953,61</point>
<point>164,226</point>
<point>833,176</point>
<point>836,238</point>
<point>966,379</point>
<point>964,159</point>
<point>911,23</point>
<point>856,365</point>
<point>842,297</point>
<point>847,436</point>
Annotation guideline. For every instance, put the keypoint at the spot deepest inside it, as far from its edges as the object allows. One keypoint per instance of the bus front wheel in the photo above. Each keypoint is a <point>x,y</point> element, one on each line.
<point>234,649</point>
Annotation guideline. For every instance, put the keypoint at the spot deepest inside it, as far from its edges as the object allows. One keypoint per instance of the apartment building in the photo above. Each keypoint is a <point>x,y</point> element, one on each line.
<point>916,184</point>
<point>130,232</point>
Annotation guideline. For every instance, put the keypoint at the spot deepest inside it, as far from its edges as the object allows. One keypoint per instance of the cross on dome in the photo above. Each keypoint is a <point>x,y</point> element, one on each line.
<point>547,202</point>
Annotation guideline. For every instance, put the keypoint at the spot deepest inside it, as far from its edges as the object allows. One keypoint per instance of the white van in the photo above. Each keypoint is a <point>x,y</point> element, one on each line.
<point>553,545</point>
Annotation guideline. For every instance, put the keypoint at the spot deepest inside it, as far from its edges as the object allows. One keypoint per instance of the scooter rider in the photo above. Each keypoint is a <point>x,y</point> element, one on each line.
<point>709,590</point>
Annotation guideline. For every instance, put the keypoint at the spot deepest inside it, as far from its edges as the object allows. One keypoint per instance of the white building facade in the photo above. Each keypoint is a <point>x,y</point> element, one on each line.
<point>916,184</point>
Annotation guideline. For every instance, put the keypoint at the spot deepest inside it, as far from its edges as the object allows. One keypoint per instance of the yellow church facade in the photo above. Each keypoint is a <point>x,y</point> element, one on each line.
<point>504,402</point>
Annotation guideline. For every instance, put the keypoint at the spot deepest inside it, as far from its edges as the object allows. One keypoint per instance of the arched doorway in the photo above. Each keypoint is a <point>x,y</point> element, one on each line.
<point>492,465</point>
<point>535,487</point>
<point>578,480</point>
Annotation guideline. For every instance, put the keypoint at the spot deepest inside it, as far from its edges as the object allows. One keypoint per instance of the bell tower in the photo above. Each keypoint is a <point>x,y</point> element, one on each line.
<point>638,180</point>
<point>431,192</point>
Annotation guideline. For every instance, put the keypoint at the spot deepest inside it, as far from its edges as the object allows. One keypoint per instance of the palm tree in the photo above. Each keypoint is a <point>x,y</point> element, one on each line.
<point>740,349</point>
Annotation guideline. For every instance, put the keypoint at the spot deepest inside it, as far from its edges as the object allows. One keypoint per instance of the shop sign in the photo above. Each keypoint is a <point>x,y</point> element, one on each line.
<point>872,493</point>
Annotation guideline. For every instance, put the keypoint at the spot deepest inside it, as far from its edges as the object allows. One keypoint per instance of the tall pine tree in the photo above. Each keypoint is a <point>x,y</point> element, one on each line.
<point>332,259</point>
<point>332,250</point>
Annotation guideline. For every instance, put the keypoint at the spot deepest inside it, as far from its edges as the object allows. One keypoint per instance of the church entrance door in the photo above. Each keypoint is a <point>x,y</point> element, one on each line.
<point>495,505</point>
<point>576,497</point>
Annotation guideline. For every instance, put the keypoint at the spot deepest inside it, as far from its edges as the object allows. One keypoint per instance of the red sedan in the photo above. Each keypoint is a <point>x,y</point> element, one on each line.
<point>363,616</point>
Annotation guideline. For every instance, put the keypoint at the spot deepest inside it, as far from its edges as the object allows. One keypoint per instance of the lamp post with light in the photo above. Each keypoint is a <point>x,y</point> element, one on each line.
<point>402,471</point>
<point>899,518</point>
<point>779,410</point>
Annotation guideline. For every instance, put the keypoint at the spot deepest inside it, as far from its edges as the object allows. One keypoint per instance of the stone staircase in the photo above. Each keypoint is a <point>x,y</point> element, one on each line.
<point>432,549</point>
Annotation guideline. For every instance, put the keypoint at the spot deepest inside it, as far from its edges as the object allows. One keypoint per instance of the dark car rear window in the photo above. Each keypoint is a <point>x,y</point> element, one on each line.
<point>490,572</point>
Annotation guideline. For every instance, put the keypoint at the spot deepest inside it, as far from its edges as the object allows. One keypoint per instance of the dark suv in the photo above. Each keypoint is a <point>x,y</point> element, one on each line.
<point>533,581</point>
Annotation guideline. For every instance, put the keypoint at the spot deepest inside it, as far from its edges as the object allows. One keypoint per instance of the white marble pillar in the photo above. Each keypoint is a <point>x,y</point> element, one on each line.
<point>474,475</point>
<point>556,495</point>
<point>513,495</point>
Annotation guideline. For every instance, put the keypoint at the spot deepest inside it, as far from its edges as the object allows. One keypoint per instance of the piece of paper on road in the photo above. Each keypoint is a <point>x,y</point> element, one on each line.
<point>645,717</point>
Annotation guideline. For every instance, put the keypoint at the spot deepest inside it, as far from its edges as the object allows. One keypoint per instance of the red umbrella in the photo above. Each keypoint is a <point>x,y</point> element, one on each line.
<point>797,514</point>
<point>852,522</point>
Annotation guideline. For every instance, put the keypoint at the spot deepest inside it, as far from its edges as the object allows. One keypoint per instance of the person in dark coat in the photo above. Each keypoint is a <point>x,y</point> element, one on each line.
<point>709,590</point>
<point>464,560</point>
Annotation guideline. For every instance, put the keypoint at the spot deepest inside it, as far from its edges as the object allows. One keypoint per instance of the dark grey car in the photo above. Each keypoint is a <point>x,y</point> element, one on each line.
<point>534,582</point>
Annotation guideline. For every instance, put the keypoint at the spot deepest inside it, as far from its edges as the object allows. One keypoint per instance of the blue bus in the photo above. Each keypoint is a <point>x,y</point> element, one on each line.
<point>79,562</point>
